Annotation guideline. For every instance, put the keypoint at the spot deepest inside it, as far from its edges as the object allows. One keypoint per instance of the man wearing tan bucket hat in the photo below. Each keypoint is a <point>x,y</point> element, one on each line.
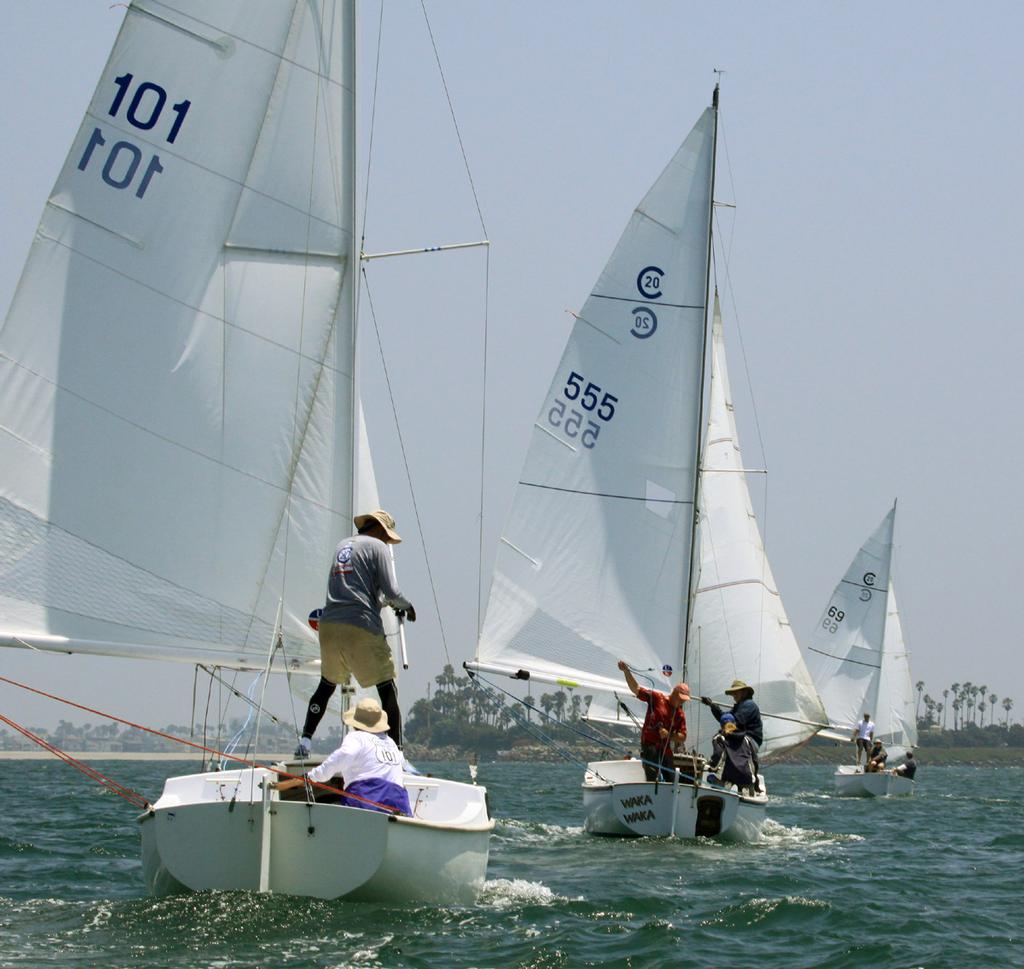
<point>745,711</point>
<point>352,640</point>
<point>368,760</point>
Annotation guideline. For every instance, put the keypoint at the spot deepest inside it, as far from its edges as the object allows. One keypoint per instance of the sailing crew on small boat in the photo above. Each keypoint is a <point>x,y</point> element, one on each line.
<point>908,768</point>
<point>864,733</point>
<point>876,758</point>
<point>368,760</point>
<point>737,754</point>
<point>352,640</point>
<point>745,711</point>
<point>664,726</point>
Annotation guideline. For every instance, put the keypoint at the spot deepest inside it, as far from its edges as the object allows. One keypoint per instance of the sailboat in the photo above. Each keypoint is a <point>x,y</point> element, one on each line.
<point>182,437</point>
<point>860,664</point>
<point>602,557</point>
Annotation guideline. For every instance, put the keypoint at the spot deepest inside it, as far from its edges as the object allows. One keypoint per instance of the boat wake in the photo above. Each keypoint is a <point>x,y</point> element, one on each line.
<point>534,831</point>
<point>775,835</point>
<point>517,893</point>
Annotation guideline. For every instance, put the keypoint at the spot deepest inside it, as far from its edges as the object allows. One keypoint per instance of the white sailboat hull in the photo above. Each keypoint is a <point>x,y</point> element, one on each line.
<point>619,802</point>
<point>217,831</point>
<point>853,782</point>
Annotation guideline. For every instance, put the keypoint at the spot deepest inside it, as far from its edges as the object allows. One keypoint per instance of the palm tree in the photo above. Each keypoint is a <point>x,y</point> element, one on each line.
<point>559,704</point>
<point>1007,705</point>
<point>547,701</point>
<point>981,709</point>
<point>919,686</point>
<point>529,703</point>
<point>945,703</point>
<point>992,700</point>
<point>955,688</point>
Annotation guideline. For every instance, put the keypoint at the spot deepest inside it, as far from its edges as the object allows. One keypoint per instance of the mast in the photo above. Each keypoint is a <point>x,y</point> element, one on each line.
<point>348,162</point>
<point>700,406</point>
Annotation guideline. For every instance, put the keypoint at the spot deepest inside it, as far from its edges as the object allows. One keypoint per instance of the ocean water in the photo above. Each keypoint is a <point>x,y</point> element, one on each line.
<point>929,881</point>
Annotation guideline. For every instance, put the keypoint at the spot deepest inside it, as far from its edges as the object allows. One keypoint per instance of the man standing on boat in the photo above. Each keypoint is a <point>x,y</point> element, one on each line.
<point>744,710</point>
<point>352,640</point>
<point>664,726</point>
<point>864,733</point>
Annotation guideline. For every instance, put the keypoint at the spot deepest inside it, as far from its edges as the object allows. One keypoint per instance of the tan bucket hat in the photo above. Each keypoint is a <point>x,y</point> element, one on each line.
<point>367,715</point>
<point>738,686</point>
<point>383,519</point>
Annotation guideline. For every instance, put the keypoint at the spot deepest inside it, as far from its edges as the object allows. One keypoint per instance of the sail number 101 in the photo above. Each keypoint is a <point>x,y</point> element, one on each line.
<point>592,399</point>
<point>121,164</point>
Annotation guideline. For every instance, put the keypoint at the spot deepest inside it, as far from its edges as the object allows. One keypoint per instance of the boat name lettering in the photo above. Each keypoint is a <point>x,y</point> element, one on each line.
<point>833,618</point>
<point>638,816</point>
<point>648,282</point>
<point>628,802</point>
<point>644,322</point>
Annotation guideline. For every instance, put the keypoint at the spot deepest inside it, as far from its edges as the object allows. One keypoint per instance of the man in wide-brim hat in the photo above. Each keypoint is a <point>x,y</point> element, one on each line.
<point>745,711</point>
<point>352,640</point>
<point>368,760</point>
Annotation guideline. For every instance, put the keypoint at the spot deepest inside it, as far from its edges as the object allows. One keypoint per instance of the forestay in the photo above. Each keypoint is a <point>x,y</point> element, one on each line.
<point>176,369</point>
<point>739,627</point>
<point>857,656</point>
<point>593,563</point>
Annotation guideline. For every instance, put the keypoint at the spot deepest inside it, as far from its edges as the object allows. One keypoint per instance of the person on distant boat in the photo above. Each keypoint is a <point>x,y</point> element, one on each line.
<point>352,640</point>
<point>368,760</point>
<point>864,733</point>
<point>737,754</point>
<point>664,726</point>
<point>876,758</point>
<point>745,711</point>
<point>908,768</point>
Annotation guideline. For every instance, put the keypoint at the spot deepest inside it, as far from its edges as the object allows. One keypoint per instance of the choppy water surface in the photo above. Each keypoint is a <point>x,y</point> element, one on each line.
<point>929,881</point>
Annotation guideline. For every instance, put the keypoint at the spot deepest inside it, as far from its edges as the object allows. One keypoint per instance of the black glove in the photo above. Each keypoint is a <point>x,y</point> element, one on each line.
<point>706,700</point>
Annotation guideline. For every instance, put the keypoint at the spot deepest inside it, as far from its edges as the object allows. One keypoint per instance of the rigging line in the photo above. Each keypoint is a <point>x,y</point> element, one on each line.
<point>455,123</point>
<point>546,739</point>
<point>241,696</point>
<point>483,443</point>
<point>586,736</point>
<point>732,185</point>
<point>743,355</point>
<point>130,795</point>
<point>373,122</point>
<point>405,461</point>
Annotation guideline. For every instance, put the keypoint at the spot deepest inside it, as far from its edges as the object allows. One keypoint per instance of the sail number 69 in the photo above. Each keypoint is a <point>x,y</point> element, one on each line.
<point>833,618</point>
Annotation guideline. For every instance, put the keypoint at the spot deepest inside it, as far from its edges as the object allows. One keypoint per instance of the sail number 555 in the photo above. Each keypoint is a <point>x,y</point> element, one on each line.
<point>592,399</point>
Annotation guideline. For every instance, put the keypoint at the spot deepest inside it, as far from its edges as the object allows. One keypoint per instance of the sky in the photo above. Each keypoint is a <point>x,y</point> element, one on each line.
<point>870,279</point>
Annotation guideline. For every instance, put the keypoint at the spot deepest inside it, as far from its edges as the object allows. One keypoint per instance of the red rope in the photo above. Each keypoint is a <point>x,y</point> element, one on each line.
<point>387,808</point>
<point>127,793</point>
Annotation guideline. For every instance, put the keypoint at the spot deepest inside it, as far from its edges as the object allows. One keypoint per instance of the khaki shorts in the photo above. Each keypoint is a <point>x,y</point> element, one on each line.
<point>346,650</point>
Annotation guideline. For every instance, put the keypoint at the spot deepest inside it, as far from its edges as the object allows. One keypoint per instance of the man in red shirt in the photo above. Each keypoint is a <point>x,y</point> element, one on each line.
<point>664,726</point>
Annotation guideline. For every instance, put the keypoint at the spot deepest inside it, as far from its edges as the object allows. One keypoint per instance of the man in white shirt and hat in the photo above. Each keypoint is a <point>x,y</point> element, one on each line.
<point>352,640</point>
<point>368,760</point>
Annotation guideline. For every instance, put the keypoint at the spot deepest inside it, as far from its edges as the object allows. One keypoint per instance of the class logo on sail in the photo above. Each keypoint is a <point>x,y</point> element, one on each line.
<point>648,284</point>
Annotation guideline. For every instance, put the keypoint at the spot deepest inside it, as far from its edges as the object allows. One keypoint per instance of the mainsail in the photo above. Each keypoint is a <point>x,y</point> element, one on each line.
<point>177,394</point>
<point>594,560</point>
<point>739,628</point>
<point>857,656</point>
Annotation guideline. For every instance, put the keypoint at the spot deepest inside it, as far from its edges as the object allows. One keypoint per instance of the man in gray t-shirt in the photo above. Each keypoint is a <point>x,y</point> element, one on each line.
<point>352,640</point>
